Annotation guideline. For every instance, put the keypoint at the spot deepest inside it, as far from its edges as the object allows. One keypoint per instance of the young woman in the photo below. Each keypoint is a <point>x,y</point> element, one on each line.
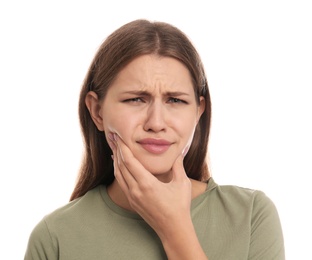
<point>144,189</point>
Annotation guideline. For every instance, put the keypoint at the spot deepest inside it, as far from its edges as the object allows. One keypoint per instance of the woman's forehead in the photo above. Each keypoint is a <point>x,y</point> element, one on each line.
<point>154,73</point>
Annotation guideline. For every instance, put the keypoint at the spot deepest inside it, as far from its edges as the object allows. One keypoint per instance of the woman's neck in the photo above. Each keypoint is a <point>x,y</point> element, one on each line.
<point>118,196</point>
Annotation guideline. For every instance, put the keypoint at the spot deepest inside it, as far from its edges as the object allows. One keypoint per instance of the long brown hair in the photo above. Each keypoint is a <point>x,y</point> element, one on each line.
<point>122,46</point>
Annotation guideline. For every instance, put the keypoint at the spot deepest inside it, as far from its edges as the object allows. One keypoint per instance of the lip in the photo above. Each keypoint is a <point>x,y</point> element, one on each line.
<point>155,146</point>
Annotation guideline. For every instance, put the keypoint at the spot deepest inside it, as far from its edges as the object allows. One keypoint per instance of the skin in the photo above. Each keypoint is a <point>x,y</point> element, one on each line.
<point>153,98</point>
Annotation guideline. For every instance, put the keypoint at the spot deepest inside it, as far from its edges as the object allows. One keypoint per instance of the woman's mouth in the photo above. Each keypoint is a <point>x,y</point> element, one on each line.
<point>155,146</point>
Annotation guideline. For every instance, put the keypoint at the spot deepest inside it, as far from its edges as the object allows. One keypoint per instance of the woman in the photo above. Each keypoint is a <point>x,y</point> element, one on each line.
<point>144,189</point>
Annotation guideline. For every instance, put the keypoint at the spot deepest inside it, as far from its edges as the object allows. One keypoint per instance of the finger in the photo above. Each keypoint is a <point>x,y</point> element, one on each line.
<point>116,161</point>
<point>123,170</point>
<point>133,166</point>
<point>111,142</point>
<point>119,176</point>
<point>178,171</point>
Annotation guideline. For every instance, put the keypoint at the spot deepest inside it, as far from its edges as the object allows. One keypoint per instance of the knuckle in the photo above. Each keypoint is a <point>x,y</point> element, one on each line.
<point>136,195</point>
<point>127,160</point>
<point>146,187</point>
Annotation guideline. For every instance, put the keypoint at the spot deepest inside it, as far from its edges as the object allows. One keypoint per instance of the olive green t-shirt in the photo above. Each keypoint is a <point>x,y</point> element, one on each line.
<point>232,223</point>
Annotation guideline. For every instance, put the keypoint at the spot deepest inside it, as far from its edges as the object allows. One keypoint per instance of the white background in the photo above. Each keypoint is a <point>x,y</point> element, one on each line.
<point>258,60</point>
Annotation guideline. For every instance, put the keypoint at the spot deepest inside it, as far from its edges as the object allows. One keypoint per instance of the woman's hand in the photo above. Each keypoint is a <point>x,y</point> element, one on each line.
<point>164,206</point>
<point>160,204</point>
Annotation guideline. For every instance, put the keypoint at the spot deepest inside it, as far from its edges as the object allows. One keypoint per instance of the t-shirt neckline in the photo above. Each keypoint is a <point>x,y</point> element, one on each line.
<point>130,214</point>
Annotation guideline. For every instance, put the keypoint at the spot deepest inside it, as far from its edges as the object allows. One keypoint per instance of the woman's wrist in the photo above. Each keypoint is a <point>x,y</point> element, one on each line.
<point>180,242</point>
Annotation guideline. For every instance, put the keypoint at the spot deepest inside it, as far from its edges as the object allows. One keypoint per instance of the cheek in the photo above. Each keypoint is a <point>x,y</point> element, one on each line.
<point>186,126</point>
<point>187,130</point>
<point>121,125</point>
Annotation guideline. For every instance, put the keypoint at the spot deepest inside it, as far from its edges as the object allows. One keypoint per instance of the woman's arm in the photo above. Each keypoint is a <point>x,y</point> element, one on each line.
<point>164,206</point>
<point>183,243</point>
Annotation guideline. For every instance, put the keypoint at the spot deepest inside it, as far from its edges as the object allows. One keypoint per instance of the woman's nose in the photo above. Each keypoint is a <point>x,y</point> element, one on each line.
<point>155,118</point>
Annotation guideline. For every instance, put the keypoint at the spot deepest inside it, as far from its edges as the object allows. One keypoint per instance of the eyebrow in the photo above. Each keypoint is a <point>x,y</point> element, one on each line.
<point>146,93</point>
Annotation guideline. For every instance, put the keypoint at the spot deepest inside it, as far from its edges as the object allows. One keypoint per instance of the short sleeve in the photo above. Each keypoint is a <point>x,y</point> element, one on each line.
<point>40,245</point>
<point>266,233</point>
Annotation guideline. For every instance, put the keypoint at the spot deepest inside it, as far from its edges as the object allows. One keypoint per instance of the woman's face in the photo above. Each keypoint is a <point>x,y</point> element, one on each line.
<point>151,105</point>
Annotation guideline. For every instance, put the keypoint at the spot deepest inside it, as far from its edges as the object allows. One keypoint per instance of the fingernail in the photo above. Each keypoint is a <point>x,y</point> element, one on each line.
<point>111,144</point>
<point>186,149</point>
<point>115,137</point>
<point>111,136</point>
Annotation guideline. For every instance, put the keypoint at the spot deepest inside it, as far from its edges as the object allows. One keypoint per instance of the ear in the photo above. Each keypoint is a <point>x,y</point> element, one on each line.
<point>94,107</point>
<point>201,107</point>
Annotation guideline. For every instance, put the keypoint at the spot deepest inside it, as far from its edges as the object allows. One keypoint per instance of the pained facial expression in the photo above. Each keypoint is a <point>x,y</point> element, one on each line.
<point>151,105</point>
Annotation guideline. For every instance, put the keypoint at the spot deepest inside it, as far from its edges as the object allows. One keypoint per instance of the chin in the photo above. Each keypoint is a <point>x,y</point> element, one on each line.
<point>163,177</point>
<point>158,170</point>
<point>161,173</point>
<point>160,165</point>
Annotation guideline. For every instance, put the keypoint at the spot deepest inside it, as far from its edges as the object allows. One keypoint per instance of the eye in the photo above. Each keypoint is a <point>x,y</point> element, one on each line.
<point>133,100</point>
<point>176,100</point>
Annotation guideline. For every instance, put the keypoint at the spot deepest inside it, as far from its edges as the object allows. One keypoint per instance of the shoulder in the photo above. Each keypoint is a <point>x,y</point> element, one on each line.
<point>248,214</point>
<point>236,202</point>
<point>254,210</point>
<point>44,239</point>
<point>69,214</point>
<point>237,194</point>
<point>266,235</point>
<point>80,204</point>
<point>226,192</point>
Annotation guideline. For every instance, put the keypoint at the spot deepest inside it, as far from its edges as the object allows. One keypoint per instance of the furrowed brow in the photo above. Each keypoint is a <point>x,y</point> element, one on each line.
<point>138,92</point>
<point>176,93</point>
<point>146,93</point>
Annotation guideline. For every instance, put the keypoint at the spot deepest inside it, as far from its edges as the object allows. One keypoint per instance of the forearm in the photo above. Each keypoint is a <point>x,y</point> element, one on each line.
<point>181,243</point>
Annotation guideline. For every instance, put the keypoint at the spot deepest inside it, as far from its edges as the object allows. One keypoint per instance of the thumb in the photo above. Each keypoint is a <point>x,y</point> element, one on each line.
<point>178,171</point>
